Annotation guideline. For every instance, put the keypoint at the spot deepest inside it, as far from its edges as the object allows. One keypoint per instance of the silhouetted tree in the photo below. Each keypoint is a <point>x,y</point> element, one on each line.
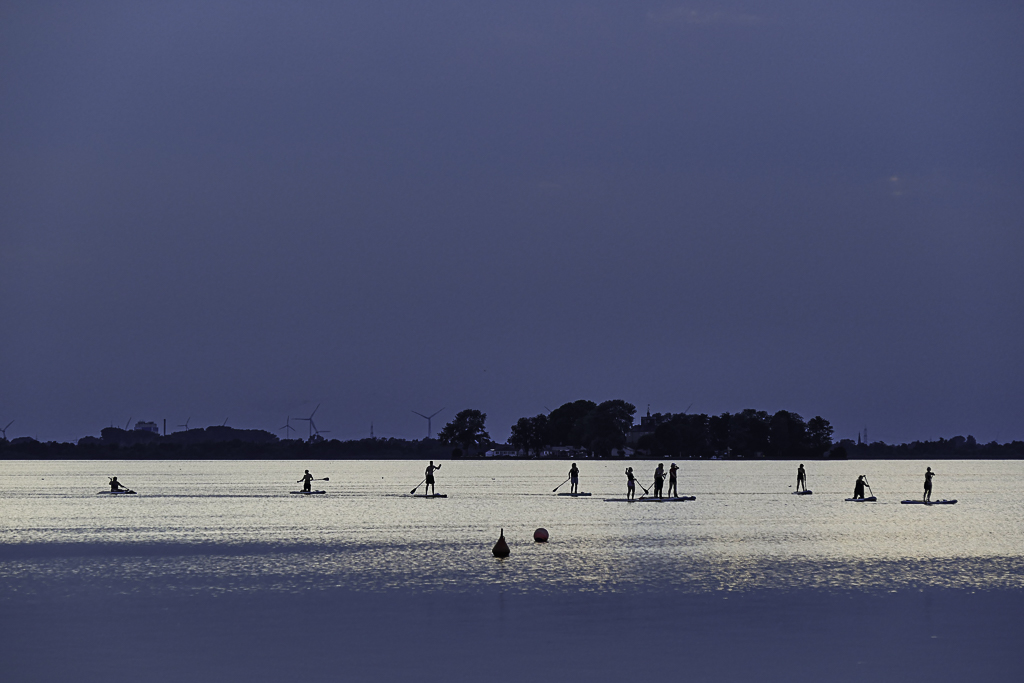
<point>467,430</point>
<point>604,428</point>
<point>819,436</point>
<point>565,423</point>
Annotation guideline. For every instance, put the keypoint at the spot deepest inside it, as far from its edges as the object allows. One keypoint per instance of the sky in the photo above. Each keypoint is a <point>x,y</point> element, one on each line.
<point>238,211</point>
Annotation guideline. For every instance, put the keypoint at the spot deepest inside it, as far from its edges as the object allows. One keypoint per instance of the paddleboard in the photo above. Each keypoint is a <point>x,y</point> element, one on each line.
<point>574,495</point>
<point>308,493</point>
<point>430,495</point>
<point>680,499</point>
<point>114,493</point>
<point>869,499</point>
<point>929,502</point>
<point>802,493</point>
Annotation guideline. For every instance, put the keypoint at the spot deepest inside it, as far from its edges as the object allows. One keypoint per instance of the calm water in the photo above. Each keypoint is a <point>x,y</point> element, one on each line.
<point>233,526</point>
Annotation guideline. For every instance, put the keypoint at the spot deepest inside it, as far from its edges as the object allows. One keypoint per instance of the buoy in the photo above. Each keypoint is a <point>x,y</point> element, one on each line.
<point>500,548</point>
<point>541,535</point>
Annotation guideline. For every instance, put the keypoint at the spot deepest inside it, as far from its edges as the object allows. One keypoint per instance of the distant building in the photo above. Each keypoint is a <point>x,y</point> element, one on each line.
<point>501,451</point>
<point>147,427</point>
<point>648,424</point>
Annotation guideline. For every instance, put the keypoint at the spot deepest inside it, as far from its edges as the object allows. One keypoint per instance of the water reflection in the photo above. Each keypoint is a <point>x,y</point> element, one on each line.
<point>223,527</point>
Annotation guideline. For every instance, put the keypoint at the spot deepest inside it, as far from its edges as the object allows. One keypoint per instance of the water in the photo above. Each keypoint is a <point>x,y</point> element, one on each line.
<point>219,527</point>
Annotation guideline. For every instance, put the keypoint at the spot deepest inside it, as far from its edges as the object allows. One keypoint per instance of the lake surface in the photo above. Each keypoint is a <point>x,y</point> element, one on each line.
<point>216,526</point>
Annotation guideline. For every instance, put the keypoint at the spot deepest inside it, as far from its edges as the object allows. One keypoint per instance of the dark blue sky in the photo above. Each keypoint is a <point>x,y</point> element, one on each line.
<point>241,210</point>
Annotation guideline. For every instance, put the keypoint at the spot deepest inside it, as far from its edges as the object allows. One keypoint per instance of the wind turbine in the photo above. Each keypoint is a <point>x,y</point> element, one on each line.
<point>224,423</point>
<point>287,427</point>
<point>186,423</point>
<point>312,426</point>
<point>428,418</point>
<point>4,430</point>
<point>127,423</point>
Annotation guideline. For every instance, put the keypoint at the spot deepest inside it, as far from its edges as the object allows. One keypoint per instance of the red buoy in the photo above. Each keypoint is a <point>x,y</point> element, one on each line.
<point>541,535</point>
<point>500,548</point>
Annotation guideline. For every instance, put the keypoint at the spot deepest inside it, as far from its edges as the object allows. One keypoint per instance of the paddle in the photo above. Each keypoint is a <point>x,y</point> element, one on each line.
<point>324,479</point>
<point>642,486</point>
<point>413,492</point>
<point>869,487</point>
<point>560,485</point>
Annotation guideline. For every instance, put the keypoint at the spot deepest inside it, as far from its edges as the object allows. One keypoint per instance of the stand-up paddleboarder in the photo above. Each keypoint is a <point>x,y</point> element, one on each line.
<point>659,479</point>
<point>858,488</point>
<point>928,485</point>
<point>574,479</point>
<point>115,485</point>
<point>630,484</point>
<point>801,477</point>
<point>306,481</point>
<point>430,477</point>
<point>673,489</point>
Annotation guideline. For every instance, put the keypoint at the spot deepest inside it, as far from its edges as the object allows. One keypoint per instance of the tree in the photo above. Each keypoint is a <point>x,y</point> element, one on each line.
<point>787,437</point>
<point>819,435</point>
<point>530,433</point>
<point>565,423</point>
<point>467,430</point>
<point>604,428</point>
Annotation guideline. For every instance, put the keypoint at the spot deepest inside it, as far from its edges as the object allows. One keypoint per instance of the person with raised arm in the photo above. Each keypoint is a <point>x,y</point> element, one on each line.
<point>630,484</point>
<point>673,489</point>
<point>430,478</point>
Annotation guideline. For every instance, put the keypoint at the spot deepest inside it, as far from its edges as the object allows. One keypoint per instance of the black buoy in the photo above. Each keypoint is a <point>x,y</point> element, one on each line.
<point>500,548</point>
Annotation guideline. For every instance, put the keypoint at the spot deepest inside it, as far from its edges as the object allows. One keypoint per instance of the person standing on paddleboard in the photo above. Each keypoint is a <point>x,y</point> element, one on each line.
<point>430,477</point>
<point>574,479</point>
<point>630,484</point>
<point>673,489</point>
<point>928,485</point>
<point>858,488</point>
<point>115,485</point>
<point>801,477</point>
<point>659,478</point>
<point>307,481</point>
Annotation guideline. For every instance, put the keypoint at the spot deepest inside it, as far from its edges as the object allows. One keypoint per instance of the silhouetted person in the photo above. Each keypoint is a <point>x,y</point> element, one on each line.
<point>630,484</point>
<point>673,489</point>
<point>801,478</point>
<point>430,477</point>
<point>574,479</point>
<point>858,488</point>
<point>115,485</point>
<point>928,484</point>
<point>307,481</point>
<point>659,478</point>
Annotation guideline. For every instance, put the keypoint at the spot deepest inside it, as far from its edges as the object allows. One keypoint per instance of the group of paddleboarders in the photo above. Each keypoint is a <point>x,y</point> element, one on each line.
<point>574,481</point>
<point>659,482</point>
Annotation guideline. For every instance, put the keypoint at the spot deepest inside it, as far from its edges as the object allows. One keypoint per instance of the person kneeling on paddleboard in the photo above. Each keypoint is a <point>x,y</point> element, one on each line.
<point>115,485</point>
<point>574,479</point>
<point>858,488</point>
<point>430,477</point>
<point>630,484</point>
<point>307,481</point>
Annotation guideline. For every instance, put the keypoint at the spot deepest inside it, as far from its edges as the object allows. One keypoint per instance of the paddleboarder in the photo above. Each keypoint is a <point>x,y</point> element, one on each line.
<point>630,484</point>
<point>307,481</point>
<point>659,478</point>
<point>115,485</point>
<point>928,485</point>
<point>673,490</point>
<point>801,477</point>
<point>858,488</point>
<point>574,479</point>
<point>430,477</point>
